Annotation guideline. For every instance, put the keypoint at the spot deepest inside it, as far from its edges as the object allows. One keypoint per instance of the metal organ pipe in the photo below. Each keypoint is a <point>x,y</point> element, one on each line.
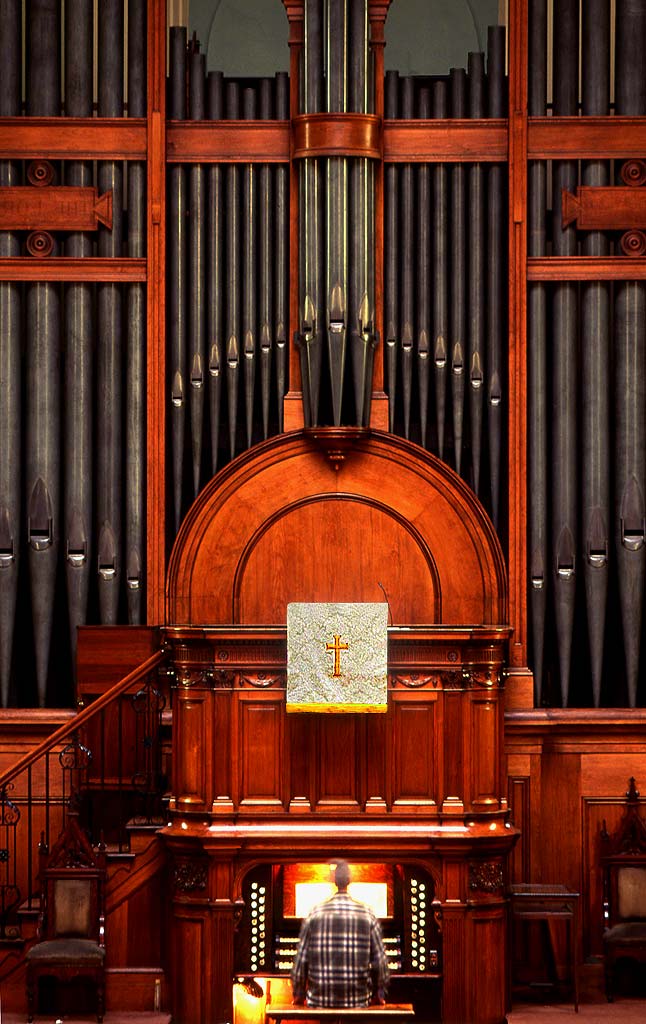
<point>176,200</point>
<point>232,274</point>
<point>495,283</point>
<point>391,239</point>
<point>79,337</point>
<point>43,382</point>
<point>197,271</point>
<point>336,278</point>
<point>536,355</point>
<point>564,371</point>
<point>135,419</point>
<point>407,229</point>
<point>311,305</point>
<point>109,314</point>
<point>249,235</point>
<point>476,272</point>
<point>630,371</point>
<point>10,323</point>
<point>440,333</point>
<point>595,367</point>
<point>423,260</point>
<point>458,273</point>
<point>215,257</point>
<point>281,230</point>
<point>265,269</point>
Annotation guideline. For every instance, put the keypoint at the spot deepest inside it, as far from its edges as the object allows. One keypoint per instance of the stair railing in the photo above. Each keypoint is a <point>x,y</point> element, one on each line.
<point>105,764</point>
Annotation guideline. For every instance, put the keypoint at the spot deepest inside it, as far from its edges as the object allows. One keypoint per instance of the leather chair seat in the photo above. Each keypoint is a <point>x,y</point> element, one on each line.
<point>67,951</point>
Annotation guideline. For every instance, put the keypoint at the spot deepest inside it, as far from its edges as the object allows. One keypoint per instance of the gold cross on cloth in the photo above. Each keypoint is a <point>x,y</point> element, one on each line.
<point>337,647</point>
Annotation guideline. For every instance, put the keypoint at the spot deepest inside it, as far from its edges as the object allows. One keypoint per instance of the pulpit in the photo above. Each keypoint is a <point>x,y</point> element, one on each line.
<point>413,796</point>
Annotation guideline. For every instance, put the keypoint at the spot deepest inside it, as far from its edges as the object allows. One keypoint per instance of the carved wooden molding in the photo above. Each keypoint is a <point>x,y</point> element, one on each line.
<point>189,875</point>
<point>54,208</point>
<point>485,876</point>
<point>337,135</point>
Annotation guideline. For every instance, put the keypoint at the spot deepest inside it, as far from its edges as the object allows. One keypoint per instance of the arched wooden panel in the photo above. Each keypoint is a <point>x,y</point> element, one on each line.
<point>280,524</point>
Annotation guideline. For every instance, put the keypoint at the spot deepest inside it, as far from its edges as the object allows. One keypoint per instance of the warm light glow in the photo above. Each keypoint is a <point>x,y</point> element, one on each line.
<point>308,894</point>
<point>247,1008</point>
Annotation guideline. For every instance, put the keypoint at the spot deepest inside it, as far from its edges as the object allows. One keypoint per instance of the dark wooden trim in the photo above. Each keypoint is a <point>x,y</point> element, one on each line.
<point>586,268</point>
<point>227,142</point>
<point>580,138</point>
<point>337,135</point>
<point>68,268</point>
<point>73,138</point>
<point>441,141</point>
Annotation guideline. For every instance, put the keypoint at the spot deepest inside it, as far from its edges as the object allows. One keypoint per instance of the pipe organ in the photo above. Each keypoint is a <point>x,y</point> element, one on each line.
<point>339,333</point>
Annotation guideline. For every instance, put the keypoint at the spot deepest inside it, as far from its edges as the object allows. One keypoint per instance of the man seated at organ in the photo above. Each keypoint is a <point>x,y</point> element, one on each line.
<point>341,961</point>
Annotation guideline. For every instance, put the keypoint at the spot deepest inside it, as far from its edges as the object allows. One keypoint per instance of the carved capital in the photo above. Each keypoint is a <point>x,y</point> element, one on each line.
<point>189,875</point>
<point>485,876</point>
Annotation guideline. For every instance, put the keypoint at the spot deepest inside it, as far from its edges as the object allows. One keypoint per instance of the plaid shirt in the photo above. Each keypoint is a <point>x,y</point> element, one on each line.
<point>340,948</point>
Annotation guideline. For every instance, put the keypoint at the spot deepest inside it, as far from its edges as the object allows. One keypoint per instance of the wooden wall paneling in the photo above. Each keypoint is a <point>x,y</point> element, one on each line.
<point>193,745</point>
<point>484,736</point>
<point>339,748</point>
<point>414,751</point>
<point>487,930</point>
<point>378,745</point>
<point>517,380</point>
<point>454,958</point>
<point>454,746</point>
<point>518,796</point>
<point>223,698</point>
<point>260,745</point>
<point>191,941</point>
<point>300,739</point>
<point>156,314</point>
<point>105,654</point>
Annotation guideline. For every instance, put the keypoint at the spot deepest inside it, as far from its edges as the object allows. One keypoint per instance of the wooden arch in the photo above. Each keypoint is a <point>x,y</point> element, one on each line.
<point>281,524</point>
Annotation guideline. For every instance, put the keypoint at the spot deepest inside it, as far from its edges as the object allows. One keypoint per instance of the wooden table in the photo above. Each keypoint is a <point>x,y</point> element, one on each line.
<point>331,1015</point>
<point>539,902</point>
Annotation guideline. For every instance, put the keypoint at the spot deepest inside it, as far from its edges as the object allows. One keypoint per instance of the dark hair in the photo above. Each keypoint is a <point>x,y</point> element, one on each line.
<point>342,874</point>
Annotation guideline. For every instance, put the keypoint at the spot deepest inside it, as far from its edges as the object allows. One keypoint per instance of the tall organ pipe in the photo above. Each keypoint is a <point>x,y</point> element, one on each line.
<point>630,371</point>
<point>536,355</point>
<point>135,420</point>
<point>476,250</point>
<point>265,234</point>
<point>215,257</point>
<point>423,261</point>
<point>458,273</point>
<point>233,274</point>
<point>440,334</point>
<point>43,381</point>
<point>197,271</point>
<point>311,287</point>
<point>495,270</point>
<point>361,236</point>
<point>391,233</point>
<point>281,262</point>
<point>249,237</point>
<point>109,313</point>
<point>595,357</point>
<point>176,200</point>
<point>79,337</point>
<point>336,280</point>
<point>406,322</point>
<point>10,410</point>
<point>564,370</point>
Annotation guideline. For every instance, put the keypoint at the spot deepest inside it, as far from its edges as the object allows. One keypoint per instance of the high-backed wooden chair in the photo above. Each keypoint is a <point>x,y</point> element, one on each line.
<point>623,856</point>
<point>71,930</point>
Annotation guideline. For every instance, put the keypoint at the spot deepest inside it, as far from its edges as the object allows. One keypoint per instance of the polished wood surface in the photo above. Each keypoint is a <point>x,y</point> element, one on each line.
<point>281,524</point>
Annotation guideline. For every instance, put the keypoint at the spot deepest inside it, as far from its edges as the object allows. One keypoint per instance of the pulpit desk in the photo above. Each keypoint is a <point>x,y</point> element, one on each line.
<point>539,902</point>
<point>393,1012</point>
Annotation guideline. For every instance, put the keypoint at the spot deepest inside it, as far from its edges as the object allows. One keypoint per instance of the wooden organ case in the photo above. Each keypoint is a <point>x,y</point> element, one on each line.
<point>414,796</point>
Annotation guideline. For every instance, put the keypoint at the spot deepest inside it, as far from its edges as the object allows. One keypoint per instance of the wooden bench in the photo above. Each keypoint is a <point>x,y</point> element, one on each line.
<point>279,1012</point>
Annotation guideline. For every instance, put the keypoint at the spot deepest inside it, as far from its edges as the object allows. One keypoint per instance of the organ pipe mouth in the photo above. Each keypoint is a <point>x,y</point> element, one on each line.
<point>565,572</point>
<point>537,582</point>
<point>598,558</point>
<point>76,558</point>
<point>6,557</point>
<point>632,540</point>
<point>40,539</point>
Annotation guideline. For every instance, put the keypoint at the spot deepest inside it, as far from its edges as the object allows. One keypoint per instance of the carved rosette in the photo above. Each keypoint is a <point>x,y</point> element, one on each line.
<point>189,875</point>
<point>485,876</point>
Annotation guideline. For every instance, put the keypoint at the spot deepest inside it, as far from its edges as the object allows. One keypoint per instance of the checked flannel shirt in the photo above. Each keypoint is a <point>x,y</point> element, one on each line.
<point>340,951</point>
